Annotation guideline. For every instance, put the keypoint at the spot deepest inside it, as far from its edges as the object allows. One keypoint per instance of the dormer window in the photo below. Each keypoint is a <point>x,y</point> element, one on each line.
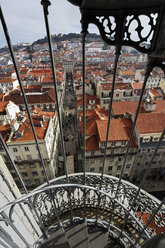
<point>103,144</point>
<point>123,143</point>
<point>146,139</point>
<point>155,139</point>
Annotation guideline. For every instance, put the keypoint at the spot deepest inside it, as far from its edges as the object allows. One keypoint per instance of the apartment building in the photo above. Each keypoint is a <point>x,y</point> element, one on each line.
<point>122,92</point>
<point>36,99</point>
<point>21,144</point>
<point>147,134</point>
<point>96,126</point>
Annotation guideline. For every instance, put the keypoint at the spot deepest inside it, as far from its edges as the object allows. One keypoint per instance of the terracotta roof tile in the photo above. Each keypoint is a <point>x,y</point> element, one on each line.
<point>120,108</point>
<point>119,130</point>
<point>151,123</point>
<point>92,144</point>
<point>118,86</point>
<point>3,106</point>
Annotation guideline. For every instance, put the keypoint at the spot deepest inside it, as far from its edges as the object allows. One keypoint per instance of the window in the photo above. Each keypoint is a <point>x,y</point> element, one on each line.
<point>123,142</point>
<point>21,166</point>
<point>113,143</point>
<point>126,175</point>
<point>92,169</point>
<point>15,150</point>
<point>92,161</point>
<point>18,158</point>
<point>156,139</point>
<point>129,158</point>
<point>24,174</point>
<point>26,149</point>
<point>112,151</point>
<point>119,167</point>
<point>27,182</point>
<point>146,139</point>
<point>29,157</point>
<point>37,181</point>
<point>100,169</point>
<point>92,153</point>
<point>110,167</point>
<point>120,158</point>
<point>117,175</point>
<point>128,166</point>
<point>103,144</point>
<point>34,173</point>
<point>31,165</point>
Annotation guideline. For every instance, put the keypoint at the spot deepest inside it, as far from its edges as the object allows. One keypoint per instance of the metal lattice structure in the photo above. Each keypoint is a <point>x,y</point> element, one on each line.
<point>103,201</point>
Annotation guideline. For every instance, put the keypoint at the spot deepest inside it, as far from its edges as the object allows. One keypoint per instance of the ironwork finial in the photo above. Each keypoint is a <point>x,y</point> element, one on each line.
<point>46,4</point>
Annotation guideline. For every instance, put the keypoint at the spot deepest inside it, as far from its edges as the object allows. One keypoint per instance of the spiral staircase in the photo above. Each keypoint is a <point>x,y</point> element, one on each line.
<point>74,215</point>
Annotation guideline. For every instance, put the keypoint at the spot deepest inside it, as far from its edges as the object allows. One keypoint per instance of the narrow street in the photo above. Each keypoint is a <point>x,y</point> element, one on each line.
<point>70,124</point>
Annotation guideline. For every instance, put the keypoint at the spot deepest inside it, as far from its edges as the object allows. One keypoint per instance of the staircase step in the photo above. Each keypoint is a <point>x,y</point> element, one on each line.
<point>78,235</point>
<point>57,239</point>
<point>97,237</point>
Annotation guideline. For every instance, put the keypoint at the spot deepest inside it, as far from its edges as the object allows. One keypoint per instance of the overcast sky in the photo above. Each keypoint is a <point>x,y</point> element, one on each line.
<point>25,20</point>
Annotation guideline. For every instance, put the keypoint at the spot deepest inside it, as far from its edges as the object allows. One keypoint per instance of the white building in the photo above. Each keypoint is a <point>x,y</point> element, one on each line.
<point>21,215</point>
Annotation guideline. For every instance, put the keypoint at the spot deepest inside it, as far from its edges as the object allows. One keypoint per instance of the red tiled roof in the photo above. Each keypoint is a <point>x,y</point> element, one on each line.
<point>155,92</point>
<point>120,108</point>
<point>151,123</point>
<point>119,130</point>
<point>6,80</point>
<point>127,73</point>
<point>145,217</point>
<point>118,86</point>
<point>15,97</point>
<point>25,128</point>
<point>138,86</point>
<point>87,99</point>
<point>92,144</point>
<point>5,131</point>
<point>3,106</point>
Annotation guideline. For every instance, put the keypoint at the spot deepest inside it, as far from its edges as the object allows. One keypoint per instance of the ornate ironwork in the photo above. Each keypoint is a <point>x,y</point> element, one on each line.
<point>140,26</point>
<point>58,190</point>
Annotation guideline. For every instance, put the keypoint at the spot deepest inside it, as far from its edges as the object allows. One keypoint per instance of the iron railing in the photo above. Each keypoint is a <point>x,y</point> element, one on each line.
<point>51,204</point>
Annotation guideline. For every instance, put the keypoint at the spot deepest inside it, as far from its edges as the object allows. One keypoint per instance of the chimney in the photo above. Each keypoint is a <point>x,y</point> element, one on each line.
<point>149,105</point>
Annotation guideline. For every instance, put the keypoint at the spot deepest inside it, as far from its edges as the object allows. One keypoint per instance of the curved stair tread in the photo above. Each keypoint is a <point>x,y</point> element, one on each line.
<point>57,239</point>
<point>97,237</point>
<point>78,235</point>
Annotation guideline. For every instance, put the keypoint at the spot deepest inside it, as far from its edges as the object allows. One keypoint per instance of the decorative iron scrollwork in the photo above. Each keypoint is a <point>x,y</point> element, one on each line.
<point>107,25</point>
<point>139,30</point>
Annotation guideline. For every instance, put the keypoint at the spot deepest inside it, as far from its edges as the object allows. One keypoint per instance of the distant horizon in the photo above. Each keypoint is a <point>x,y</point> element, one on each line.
<point>5,46</point>
<point>25,20</point>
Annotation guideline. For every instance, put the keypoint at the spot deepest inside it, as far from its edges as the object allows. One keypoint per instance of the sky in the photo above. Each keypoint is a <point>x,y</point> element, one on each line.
<point>25,20</point>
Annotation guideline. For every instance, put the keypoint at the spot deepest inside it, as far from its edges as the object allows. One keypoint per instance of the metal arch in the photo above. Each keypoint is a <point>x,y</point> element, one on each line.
<point>103,20</point>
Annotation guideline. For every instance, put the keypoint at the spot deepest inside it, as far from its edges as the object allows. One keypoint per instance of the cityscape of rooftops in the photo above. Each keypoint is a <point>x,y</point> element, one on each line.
<point>32,53</point>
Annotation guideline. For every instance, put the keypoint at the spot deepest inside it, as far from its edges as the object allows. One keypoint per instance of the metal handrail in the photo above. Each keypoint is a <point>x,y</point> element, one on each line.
<point>10,206</point>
